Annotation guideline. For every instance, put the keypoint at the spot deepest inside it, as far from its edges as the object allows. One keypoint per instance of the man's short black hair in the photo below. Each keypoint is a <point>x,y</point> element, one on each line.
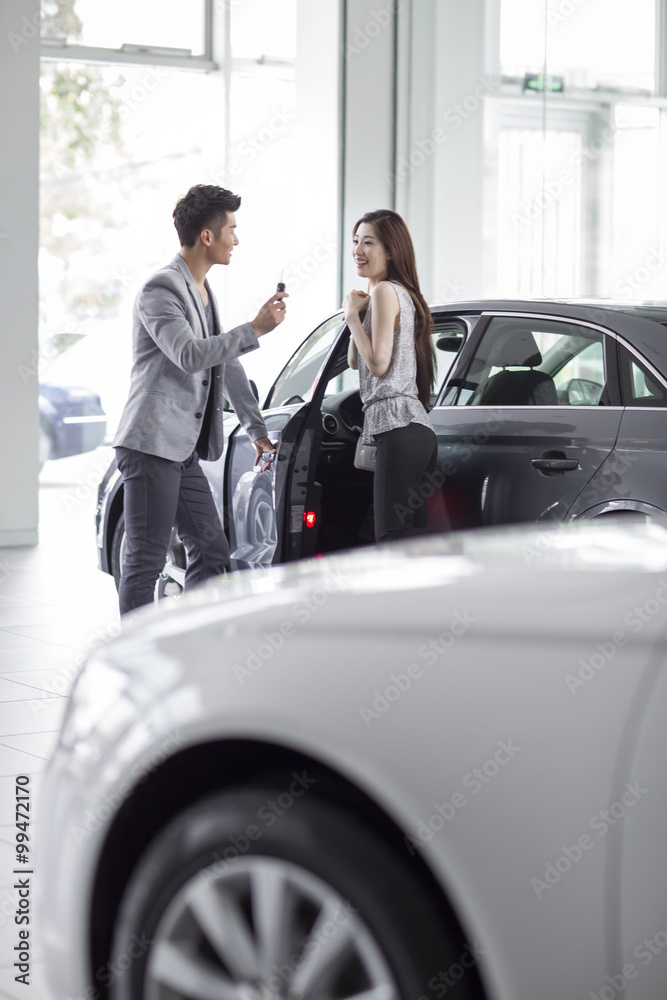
<point>205,206</point>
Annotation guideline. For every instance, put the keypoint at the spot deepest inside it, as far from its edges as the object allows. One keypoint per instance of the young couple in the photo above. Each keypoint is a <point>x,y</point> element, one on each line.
<point>183,364</point>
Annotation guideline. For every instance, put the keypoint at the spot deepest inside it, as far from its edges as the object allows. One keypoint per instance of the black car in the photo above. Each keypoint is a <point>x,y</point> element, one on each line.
<point>544,411</point>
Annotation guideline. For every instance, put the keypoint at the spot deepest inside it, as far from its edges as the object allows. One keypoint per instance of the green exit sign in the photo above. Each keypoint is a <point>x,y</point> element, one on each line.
<point>539,82</point>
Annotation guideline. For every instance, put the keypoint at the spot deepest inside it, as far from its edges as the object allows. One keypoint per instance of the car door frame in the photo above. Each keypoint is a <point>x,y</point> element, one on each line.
<point>296,491</point>
<point>457,378</point>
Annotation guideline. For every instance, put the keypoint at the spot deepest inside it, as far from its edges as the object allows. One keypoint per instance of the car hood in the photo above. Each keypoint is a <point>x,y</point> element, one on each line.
<point>524,580</point>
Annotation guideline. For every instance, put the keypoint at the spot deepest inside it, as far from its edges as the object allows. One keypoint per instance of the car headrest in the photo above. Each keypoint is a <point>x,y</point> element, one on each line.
<point>518,349</point>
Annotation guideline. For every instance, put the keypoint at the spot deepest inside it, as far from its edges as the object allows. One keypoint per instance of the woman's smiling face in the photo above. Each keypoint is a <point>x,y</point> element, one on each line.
<point>369,253</point>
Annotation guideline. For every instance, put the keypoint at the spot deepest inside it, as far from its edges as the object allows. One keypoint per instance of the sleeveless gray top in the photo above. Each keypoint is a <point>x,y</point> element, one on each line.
<point>390,400</point>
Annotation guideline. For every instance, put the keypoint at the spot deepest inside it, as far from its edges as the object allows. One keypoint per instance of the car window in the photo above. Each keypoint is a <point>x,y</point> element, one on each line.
<point>342,382</point>
<point>447,342</point>
<point>533,362</point>
<point>298,377</point>
<point>639,386</point>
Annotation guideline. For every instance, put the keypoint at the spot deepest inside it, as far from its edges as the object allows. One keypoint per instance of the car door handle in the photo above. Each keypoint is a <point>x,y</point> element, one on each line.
<point>555,464</point>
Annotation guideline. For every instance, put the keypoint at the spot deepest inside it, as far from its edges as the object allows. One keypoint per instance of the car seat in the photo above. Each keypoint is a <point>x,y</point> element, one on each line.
<point>517,388</point>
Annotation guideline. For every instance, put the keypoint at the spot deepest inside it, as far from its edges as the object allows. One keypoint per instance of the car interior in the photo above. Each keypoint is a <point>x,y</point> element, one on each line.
<point>347,492</point>
<point>517,364</point>
<point>524,387</point>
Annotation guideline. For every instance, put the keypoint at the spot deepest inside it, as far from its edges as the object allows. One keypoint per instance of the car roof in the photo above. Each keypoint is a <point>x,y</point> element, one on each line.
<point>641,324</point>
<point>572,308</point>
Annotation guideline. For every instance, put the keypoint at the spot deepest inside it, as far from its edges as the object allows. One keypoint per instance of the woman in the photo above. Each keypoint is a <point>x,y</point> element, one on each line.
<point>393,350</point>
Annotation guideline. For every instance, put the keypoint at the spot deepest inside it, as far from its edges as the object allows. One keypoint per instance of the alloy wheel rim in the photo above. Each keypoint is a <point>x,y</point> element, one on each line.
<point>262,928</point>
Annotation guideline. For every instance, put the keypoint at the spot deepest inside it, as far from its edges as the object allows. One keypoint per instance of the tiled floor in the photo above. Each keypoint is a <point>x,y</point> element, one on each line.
<point>54,604</point>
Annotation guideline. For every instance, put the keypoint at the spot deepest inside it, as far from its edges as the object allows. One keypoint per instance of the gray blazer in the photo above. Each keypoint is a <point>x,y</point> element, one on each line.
<point>175,364</point>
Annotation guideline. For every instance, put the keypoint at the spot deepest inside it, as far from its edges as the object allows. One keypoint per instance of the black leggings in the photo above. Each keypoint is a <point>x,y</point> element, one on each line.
<point>404,458</point>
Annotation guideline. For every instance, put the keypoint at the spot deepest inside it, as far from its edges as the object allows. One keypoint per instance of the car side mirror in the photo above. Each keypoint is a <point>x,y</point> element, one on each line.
<point>449,343</point>
<point>255,390</point>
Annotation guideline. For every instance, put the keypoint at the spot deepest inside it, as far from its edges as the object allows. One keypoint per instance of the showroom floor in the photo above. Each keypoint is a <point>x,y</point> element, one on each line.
<point>54,604</point>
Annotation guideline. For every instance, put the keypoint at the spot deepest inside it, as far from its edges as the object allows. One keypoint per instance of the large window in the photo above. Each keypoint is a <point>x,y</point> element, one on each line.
<point>592,43</point>
<point>164,23</point>
<point>136,108</point>
<point>581,150</point>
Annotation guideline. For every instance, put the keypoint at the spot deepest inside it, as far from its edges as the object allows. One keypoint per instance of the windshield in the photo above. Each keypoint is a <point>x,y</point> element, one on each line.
<point>297,380</point>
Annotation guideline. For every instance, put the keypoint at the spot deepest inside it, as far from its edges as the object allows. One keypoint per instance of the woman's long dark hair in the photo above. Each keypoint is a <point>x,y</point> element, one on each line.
<point>401,267</point>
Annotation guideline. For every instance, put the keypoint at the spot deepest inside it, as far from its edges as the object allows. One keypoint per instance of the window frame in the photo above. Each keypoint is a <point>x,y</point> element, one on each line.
<point>459,370</point>
<point>57,50</point>
<point>626,351</point>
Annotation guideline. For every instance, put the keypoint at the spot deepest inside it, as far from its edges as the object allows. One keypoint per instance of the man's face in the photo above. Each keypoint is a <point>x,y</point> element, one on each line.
<point>220,247</point>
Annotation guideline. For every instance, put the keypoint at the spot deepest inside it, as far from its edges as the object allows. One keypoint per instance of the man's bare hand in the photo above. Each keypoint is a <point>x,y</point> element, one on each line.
<point>264,447</point>
<point>270,315</point>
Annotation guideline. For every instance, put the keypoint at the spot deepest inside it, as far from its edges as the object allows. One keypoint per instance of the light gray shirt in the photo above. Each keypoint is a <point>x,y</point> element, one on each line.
<point>390,400</point>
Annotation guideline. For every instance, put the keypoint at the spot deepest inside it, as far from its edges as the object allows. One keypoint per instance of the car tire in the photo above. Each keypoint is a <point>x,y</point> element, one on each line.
<point>264,893</point>
<point>117,547</point>
<point>261,519</point>
<point>170,581</point>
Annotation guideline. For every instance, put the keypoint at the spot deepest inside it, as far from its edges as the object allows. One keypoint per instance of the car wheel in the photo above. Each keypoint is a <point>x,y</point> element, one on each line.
<point>262,520</point>
<point>171,580</point>
<point>258,894</point>
<point>118,549</point>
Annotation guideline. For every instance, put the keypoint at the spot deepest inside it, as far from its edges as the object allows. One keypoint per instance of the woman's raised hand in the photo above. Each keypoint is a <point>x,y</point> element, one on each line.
<point>354,302</point>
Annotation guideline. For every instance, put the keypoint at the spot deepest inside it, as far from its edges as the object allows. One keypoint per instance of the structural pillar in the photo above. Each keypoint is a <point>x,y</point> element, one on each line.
<point>19,246</point>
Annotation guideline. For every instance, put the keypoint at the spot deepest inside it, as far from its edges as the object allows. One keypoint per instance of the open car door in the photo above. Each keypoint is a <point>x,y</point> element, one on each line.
<point>272,516</point>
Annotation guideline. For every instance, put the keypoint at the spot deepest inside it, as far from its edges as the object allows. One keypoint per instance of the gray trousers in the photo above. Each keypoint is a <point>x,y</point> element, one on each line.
<point>158,495</point>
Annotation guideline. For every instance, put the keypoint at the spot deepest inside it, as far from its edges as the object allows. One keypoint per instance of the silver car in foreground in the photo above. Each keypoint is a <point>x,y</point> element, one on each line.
<point>433,769</point>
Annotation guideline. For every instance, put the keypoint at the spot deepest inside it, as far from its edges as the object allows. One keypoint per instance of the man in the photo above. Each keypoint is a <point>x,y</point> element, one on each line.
<point>183,364</point>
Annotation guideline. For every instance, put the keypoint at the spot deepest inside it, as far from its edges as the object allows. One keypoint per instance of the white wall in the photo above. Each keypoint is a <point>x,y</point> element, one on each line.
<point>19,192</point>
